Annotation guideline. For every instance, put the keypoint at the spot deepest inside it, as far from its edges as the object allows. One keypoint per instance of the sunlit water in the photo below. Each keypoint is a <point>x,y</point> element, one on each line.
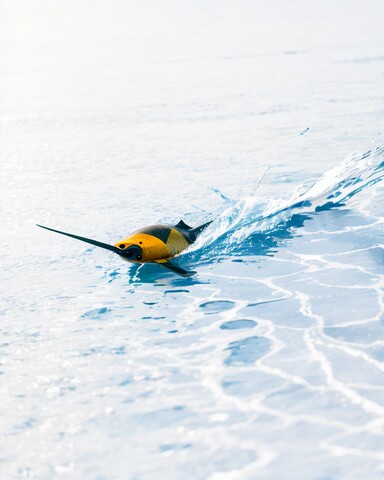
<point>267,119</point>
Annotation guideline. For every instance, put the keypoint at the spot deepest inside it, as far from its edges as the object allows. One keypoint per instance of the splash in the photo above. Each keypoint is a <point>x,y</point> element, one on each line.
<point>255,226</point>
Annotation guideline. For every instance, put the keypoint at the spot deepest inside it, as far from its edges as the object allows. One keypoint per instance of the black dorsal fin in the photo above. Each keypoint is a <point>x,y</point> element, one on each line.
<point>182,224</point>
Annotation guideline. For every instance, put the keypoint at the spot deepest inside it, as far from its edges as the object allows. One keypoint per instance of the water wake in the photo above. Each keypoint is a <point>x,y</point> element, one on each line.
<point>254,226</point>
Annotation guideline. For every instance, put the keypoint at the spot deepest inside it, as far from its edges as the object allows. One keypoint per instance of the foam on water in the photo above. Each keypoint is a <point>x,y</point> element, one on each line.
<point>253,226</point>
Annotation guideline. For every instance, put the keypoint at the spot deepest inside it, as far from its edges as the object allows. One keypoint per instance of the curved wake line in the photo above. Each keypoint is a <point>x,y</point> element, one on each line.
<point>256,223</point>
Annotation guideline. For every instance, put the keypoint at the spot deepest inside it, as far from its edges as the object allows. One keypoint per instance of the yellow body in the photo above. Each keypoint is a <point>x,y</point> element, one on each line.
<point>154,249</point>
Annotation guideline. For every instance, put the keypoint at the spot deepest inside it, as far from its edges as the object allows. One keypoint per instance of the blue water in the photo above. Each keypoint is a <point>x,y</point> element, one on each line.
<point>268,120</point>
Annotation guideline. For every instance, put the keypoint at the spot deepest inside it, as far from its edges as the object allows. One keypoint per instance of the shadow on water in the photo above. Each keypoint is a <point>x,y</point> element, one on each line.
<point>159,276</point>
<point>154,275</point>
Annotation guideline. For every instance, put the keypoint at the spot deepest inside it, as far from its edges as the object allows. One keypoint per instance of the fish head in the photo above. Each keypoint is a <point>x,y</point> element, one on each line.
<point>130,251</point>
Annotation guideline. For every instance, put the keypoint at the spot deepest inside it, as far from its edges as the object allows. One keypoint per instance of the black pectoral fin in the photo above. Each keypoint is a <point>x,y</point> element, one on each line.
<point>176,269</point>
<point>182,224</point>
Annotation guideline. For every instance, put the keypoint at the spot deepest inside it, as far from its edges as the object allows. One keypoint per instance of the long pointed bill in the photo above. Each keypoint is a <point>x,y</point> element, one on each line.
<point>86,240</point>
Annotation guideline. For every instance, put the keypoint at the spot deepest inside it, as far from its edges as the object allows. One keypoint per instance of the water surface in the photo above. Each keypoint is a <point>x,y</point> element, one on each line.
<point>267,118</point>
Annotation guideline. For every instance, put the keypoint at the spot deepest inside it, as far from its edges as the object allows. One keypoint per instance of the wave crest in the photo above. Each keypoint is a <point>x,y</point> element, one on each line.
<point>252,226</point>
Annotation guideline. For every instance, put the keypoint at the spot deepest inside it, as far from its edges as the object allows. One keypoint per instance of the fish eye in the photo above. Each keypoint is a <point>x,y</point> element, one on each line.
<point>139,257</point>
<point>122,245</point>
<point>141,243</point>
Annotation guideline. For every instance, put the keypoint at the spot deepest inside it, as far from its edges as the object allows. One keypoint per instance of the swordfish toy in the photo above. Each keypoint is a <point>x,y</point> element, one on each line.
<point>153,244</point>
